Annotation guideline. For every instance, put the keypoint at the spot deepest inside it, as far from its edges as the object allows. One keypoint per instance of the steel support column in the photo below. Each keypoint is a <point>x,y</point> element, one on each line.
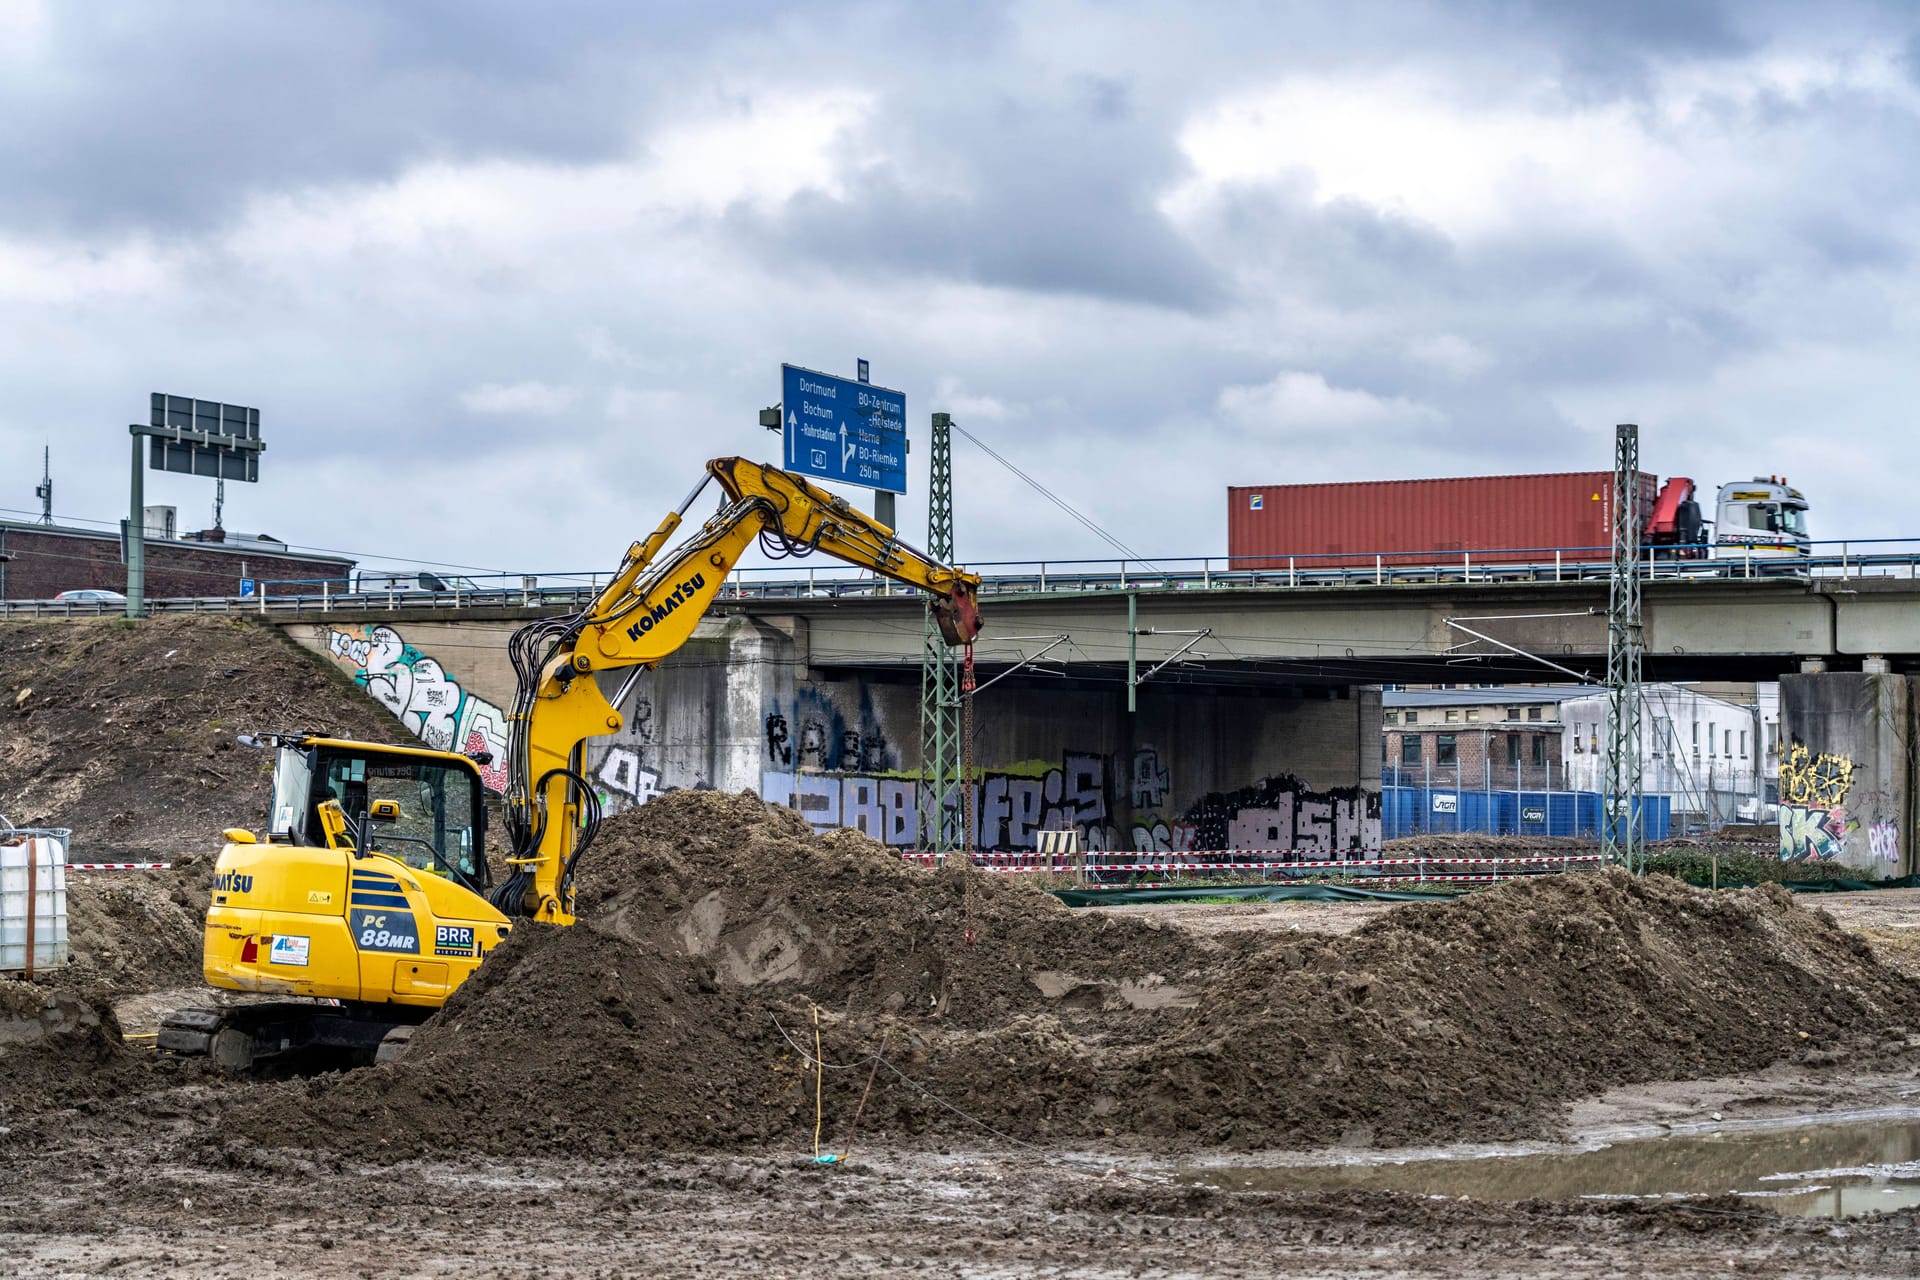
<point>942,798</point>
<point>1622,826</point>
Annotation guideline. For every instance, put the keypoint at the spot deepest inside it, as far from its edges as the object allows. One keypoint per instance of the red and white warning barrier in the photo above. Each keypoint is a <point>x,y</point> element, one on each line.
<point>119,866</point>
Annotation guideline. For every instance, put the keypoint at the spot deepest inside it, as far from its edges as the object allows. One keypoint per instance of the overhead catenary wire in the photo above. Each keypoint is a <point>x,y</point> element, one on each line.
<point>1086,521</point>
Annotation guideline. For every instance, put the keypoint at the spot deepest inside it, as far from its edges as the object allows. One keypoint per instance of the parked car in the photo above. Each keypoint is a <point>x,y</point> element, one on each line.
<point>90,595</point>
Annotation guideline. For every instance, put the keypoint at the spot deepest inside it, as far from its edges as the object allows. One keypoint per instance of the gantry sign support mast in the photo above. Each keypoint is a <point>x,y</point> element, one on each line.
<point>942,829</point>
<point>1622,826</point>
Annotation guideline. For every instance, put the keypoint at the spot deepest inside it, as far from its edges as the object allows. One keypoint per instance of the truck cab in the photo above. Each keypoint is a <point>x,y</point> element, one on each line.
<point>1761,518</point>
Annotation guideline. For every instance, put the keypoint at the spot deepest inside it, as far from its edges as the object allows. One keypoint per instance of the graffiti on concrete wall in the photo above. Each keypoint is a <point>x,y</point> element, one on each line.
<point>623,781</point>
<point>1285,814</point>
<point>625,769</point>
<point>1008,809</point>
<point>417,689</point>
<point>1817,781</point>
<point>1814,835</point>
<point>1815,824</point>
<point>1883,841</point>
<point>818,733</point>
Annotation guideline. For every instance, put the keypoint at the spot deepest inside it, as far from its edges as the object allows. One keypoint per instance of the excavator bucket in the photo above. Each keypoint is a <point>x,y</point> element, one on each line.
<point>958,616</point>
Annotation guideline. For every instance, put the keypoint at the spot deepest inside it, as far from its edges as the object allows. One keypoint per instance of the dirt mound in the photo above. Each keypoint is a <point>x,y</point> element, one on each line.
<point>709,922</point>
<point>1481,1018</point>
<point>680,1012</point>
<point>58,1049</point>
<point>752,892</point>
<point>124,732</point>
<point>130,932</point>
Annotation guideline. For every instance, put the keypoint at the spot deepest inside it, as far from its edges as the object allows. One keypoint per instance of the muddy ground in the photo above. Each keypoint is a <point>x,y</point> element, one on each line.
<point>966,1213</point>
<point>617,1099</point>
<point>1021,1089</point>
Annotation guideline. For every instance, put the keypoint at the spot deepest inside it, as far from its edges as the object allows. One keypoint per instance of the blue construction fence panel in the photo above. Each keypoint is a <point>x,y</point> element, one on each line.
<point>1419,811</point>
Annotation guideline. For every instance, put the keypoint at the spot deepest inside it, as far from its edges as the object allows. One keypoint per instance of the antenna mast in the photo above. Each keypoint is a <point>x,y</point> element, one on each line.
<point>44,491</point>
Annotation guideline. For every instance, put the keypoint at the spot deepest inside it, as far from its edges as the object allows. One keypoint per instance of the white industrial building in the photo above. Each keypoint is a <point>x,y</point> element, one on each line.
<point>1717,759</point>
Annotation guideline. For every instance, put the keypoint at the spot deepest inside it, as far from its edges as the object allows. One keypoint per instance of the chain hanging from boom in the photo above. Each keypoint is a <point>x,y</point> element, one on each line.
<point>1623,834</point>
<point>943,797</point>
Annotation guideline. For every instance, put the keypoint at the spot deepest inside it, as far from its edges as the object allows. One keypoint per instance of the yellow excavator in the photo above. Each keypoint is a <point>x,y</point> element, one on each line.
<point>368,901</point>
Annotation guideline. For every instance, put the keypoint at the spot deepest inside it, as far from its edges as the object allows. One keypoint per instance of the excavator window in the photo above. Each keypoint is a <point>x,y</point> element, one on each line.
<point>441,827</point>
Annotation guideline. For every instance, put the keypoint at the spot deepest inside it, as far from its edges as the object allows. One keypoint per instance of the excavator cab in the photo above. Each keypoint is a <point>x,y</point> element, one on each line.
<point>358,914</point>
<point>424,808</point>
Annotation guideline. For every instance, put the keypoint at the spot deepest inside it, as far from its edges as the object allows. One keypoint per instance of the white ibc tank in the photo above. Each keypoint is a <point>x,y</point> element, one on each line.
<point>33,892</point>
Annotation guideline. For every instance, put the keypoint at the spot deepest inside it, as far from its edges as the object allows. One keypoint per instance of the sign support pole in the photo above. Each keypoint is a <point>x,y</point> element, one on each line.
<point>137,534</point>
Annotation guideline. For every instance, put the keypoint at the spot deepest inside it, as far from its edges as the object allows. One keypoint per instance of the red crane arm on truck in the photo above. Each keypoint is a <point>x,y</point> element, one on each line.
<point>1664,521</point>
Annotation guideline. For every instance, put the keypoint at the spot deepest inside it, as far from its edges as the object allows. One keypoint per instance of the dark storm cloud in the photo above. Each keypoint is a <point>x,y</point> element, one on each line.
<point>1003,210</point>
<point>166,115</point>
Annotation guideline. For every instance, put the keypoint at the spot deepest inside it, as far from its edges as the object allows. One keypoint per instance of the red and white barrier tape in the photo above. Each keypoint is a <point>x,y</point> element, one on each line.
<point>1026,862</point>
<point>119,866</point>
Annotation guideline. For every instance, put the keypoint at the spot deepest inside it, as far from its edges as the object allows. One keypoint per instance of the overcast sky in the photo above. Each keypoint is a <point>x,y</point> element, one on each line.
<point>500,276</point>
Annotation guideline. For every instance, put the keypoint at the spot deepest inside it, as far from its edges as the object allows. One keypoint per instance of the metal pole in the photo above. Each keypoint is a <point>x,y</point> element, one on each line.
<point>137,536</point>
<point>1622,838</point>
<point>1133,646</point>
<point>941,763</point>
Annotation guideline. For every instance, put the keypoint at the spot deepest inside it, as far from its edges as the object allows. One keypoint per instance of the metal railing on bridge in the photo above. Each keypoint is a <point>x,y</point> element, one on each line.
<point>1838,560</point>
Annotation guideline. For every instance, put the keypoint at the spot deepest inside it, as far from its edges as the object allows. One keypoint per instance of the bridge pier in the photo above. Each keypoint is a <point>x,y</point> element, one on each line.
<point>1847,783</point>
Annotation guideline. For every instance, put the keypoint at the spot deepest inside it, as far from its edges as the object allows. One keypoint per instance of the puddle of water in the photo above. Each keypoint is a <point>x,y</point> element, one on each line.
<point>1814,1170</point>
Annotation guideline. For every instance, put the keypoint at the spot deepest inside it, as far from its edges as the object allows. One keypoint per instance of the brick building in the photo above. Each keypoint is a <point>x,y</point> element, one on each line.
<point>1503,738</point>
<point>39,561</point>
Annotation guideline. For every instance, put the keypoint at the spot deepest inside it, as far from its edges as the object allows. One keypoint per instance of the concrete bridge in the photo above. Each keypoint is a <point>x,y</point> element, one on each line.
<point>1253,720</point>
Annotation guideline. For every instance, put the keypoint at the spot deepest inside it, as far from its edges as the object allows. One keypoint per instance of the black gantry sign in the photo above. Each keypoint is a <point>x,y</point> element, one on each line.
<point>204,438</point>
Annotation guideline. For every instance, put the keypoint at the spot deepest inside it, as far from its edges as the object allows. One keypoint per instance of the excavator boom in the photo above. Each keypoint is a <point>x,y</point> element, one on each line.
<point>647,611</point>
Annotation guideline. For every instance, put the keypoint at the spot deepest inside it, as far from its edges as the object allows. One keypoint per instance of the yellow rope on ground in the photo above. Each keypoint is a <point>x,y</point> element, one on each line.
<point>819,1080</point>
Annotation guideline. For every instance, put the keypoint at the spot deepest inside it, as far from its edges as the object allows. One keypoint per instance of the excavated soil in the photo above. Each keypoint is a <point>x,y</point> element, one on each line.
<point>680,1012</point>
<point>58,1051</point>
<point>125,732</point>
<point>126,735</point>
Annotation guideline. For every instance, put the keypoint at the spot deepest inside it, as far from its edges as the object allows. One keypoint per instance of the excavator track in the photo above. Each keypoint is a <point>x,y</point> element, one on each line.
<point>290,1037</point>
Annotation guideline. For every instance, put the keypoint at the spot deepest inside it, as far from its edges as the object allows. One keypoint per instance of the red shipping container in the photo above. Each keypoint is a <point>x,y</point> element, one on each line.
<point>1498,519</point>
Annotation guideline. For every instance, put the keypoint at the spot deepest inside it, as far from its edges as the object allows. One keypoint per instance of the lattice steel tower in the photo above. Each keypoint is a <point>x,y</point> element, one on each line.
<point>1623,839</point>
<point>941,829</point>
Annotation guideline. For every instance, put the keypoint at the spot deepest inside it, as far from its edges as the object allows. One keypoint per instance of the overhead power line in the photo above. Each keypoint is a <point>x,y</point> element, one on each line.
<point>1057,500</point>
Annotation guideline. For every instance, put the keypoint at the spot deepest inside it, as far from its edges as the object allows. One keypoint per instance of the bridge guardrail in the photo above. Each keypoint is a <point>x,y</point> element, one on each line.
<point>1839,560</point>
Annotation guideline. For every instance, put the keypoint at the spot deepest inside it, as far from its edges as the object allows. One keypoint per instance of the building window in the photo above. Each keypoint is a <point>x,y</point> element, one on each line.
<point>1540,750</point>
<point>1533,713</point>
<point>1409,751</point>
<point>1453,717</point>
<point>1413,717</point>
<point>1696,739</point>
<point>1473,713</point>
<point>1445,751</point>
<point>1513,751</point>
<point>1773,742</point>
<point>1726,743</point>
<point>1662,735</point>
<point>1513,713</point>
<point>1393,717</point>
<point>1743,744</point>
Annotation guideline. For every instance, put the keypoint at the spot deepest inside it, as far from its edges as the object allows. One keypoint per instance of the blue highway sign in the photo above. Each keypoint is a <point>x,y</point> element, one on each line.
<point>844,431</point>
